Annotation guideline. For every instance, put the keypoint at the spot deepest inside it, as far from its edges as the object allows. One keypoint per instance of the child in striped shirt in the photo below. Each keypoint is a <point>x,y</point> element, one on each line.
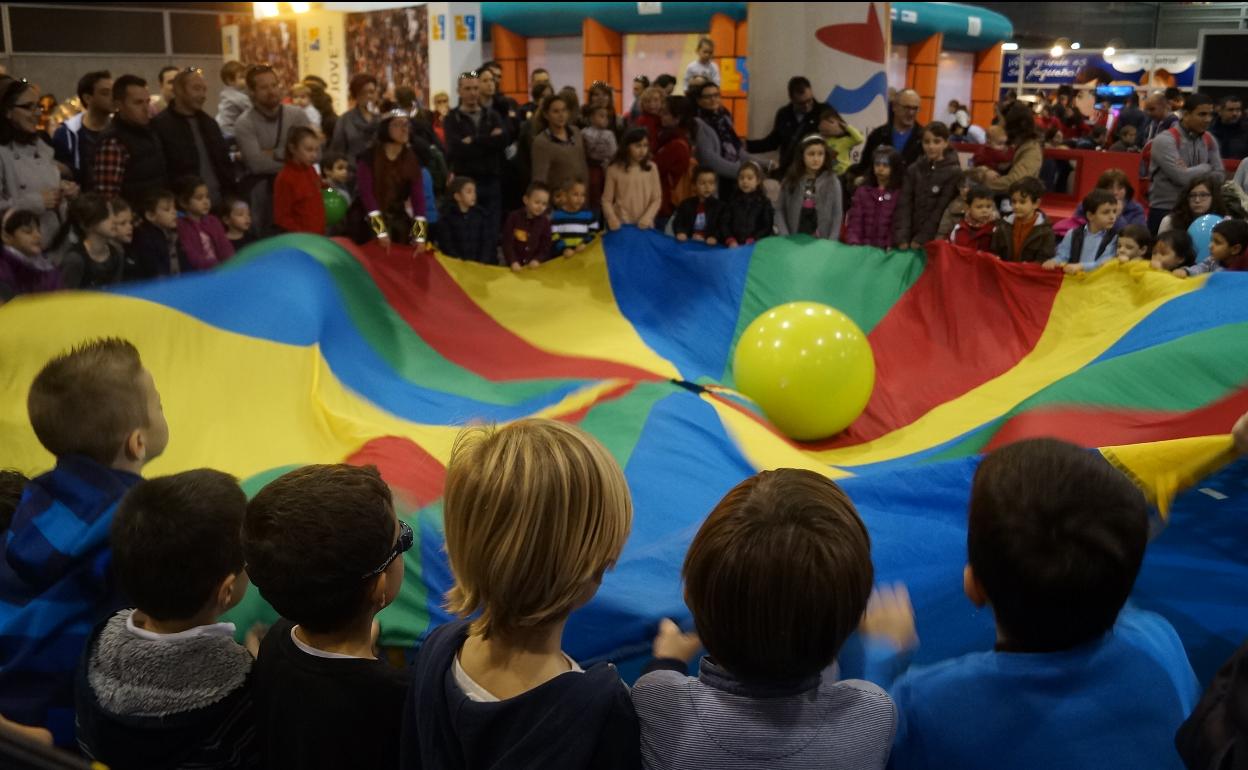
<point>573,225</point>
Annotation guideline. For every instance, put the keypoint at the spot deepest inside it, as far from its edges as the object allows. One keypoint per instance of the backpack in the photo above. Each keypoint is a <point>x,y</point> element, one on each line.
<point>1146,157</point>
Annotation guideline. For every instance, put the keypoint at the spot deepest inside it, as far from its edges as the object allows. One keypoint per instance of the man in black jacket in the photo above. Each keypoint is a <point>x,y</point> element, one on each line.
<point>903,132</point>
<point>192,139</point>
<point>794,120</point>
<point>476,141</point>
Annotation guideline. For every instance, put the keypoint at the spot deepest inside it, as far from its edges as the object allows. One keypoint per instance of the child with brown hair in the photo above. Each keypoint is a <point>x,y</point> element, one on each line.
<point>200,234</point>
<point>632,194</point>
<point>810,196</point>
<point>931,183</point>
<point>777,578</point>
<point>298,206</point>
<point>975,175</point>
<point>155,250</point>
<point>535,513</point>
<point>1025,235</point>
<point>96,409</point>
<point>526,233</point>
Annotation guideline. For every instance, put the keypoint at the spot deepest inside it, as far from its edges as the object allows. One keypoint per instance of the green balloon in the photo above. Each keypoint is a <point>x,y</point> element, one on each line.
<point>335,206</point>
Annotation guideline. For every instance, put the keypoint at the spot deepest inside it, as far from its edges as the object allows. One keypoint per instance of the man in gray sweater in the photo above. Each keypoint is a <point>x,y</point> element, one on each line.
<point>261,136</point>
<point>1177,160</point>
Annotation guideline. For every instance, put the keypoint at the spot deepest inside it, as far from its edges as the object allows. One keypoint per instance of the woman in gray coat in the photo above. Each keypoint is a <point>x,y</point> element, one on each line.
<point>810,198</point>
<point>29,177</point>
<point>355,130</point>
<point>716,144</point>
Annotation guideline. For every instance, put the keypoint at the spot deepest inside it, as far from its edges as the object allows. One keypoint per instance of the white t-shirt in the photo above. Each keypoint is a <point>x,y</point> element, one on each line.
<point>708,71</point>
<point>479,694</point>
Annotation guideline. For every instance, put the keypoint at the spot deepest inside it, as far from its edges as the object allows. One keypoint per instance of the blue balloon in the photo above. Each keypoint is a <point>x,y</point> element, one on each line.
<point>1202,231</point>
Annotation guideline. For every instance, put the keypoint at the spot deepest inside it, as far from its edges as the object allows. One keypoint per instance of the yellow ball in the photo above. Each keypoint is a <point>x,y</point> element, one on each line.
<point>808,366</point>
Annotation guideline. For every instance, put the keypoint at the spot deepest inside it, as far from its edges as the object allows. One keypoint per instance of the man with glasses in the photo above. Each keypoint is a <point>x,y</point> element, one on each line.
<point>794,120</point>
<point>129,162</point>
<point>476,142</point>
<point>192,140</point>
<point>261,136</point>
<point>903,132</point>
<point>1180,154</point>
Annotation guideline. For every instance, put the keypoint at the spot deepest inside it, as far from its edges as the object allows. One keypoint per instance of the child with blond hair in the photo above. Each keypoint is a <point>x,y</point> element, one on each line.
<point>535,513</point>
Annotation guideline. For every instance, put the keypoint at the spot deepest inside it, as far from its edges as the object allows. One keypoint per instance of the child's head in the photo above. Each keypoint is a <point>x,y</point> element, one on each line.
<point>600,116</point>
<point>997,137</point>
<point>322,544</point>
<point>464,191</point>
<point>634,149</point>
<point>236,213</point>
<point>22,233</point>
<point>1115,180</point>
<point>160,208</point>
<point>302,146</point>
<point>1202,195</point>
<point>810,158</point>
<point>1054,542</point>
<point>1127,134</point>
<point>935,140</point>
<point>1098,135</point>
<point>571,195</point>
<point>1173,249</point>
<point>706,49</point>
<point>705,182</point>
<point>652,100</point>
<point>887,168</point>
<point>90,215</point>
<point>1100,208</point>
<point>192,196</point>
<point>123,219</point>
<point>981,204</point>
<point>535,513</point>
<point>177,545</point>
<point>234,74</point>
<point>536,199</point>
<point>830,123</point>
<point>1025,195</point>
<point>300,95</point>
<point>98,401</point>
<point>1134,242</point>
<point>778,575</point>
<point>749,176</point>
<point>1229,242</point>
<point>335,169</point>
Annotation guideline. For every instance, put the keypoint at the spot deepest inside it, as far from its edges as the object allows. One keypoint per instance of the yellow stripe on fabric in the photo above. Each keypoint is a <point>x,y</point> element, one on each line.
<point>1090,313</point>
<point>566,307</point>
<point>236,403</point>
<point>763,449</point>
<point>1164,468</point>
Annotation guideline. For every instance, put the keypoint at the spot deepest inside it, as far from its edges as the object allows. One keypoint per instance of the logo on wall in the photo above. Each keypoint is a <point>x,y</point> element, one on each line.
<point>466,27</point>
<point>864,40</point>
<point>314,39</point>
<point>438,27</point>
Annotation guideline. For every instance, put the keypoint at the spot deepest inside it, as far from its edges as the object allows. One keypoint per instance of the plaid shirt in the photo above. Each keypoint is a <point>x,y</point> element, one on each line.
<point>111,159</point>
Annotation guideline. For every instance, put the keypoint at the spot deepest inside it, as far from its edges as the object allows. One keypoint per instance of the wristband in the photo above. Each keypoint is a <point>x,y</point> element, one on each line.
<point>378,224</point>
<point>420,231</point>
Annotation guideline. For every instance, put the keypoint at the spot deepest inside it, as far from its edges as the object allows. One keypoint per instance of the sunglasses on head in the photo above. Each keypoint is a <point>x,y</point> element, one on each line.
<point>469,75</point>
<point>401,546</point>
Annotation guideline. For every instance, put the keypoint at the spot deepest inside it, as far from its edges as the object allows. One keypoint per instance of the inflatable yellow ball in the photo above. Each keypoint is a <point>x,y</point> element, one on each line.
<point>808,366</point>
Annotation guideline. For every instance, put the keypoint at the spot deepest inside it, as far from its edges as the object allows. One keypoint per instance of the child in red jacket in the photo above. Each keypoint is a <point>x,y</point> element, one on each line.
<point>975,229</point>
<point>297,203</point>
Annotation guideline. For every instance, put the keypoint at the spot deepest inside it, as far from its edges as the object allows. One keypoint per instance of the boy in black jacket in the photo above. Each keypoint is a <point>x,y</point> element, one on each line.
<point>165,684</point>
<point>462,229</point>
<point>154,252</point>
<point>749,216</point>
<point>698,216</point>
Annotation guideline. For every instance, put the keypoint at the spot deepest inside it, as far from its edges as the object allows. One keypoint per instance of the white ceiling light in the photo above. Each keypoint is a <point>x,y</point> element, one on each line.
<point>1056,51</point>
<point>300,7</point>
<point>264,10</point>
<point>1110,51</point>
<point>1075,46</point>
<point>1009,46</point>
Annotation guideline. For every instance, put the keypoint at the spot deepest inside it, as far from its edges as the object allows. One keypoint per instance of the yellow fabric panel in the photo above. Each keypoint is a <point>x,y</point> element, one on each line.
<point>1163,469</point>
<point>764,449</point>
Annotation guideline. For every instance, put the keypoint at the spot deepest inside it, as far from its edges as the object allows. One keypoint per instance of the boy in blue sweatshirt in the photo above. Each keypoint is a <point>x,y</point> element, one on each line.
<point>1092,245</point>
<point>573,225</point>
<point>1055,540</point>
<point>97,410</point>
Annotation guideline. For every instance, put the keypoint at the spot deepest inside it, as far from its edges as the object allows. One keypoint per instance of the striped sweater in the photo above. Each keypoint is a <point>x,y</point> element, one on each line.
<point>569,229</point>
<point>54,586</point>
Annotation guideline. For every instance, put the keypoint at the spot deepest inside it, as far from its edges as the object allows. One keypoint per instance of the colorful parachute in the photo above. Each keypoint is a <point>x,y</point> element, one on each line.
<point>304,350</point>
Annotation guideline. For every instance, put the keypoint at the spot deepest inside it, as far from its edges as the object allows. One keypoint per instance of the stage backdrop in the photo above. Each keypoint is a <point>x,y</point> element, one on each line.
<point>323,52</point>
<point>261,41</point>
<point>392,45</point>
<point>841,47</point>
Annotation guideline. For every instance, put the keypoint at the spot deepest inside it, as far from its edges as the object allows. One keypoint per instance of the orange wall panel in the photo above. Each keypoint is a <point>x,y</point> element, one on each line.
<point>724,34</point>
<point>598,39</point>
<point>743,48</point>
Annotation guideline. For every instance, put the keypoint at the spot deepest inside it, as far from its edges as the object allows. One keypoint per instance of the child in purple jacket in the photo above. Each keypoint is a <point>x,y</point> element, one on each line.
<point>201,235</point>
<point>870,221</point>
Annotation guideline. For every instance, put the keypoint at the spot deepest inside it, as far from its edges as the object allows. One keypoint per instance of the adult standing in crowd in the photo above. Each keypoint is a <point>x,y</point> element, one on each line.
<point>903,132</point>
<point>476,141</point>
<point>1021,133</point>
<point>261,135</point>
<point>76,140</point>
<point>1174,162</point>
<point>193,142</point>
<point>323,102</point>
<point>674,152</point>
<point>539,77</point>
<point>391,189</point>
<point>129,161</point>
<point>164,82</point>
<point>354,131</point>
<point>29,177</point>
<point>1132,115</point>
<point>717,145</point>
<point>793,121</point>
<point>492,96</point>
<point>558,151</point>
<point>1231,128</point>
<point>1159,116</point>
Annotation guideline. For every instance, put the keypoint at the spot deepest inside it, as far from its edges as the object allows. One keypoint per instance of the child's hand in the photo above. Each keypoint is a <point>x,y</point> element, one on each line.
<point>1240,435</point>
<point>731,243</point>
<point>915,245</point>
<point>645,224</point>
<point>711,241</point>
<point>682,237</point>
<point>671,642</point>
<point>699,237</point>
<point>1072,268</point>
<point>569,251</point>
<point>1180,272</point>
<point>1050,264</point>
<point>516,267</point>
<point>1123,259</point>
<point>890,616</point>
<point>613,226</point>
<point>534,263</point>
<point>581,247</point>
<point>496,132</point>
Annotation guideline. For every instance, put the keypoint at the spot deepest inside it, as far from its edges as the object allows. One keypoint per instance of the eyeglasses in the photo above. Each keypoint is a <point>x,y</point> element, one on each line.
<point>26,106</point>
<point>1197,196</point>
<point>908,108</point>
<point>401,546</point>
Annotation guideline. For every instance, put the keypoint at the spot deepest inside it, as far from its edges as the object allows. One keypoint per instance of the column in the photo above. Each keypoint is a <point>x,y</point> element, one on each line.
<point>511,51</point>
<point>730,39</point>
<point>603,51</point>
<point>986,85</point>
<point>923,61</point>
<point>454,44</point>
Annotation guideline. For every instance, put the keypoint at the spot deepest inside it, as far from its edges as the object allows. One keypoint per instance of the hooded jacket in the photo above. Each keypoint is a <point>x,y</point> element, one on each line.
<point>576,720</point>
<point>1039,246</point>
<point>928,188</point>
<point>54,586</point>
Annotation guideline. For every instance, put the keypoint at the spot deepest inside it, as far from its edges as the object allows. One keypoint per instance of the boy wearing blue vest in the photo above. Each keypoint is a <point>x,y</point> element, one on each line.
<point>96,408</point>
<point>1055,540</point>
<point>1092,245</point>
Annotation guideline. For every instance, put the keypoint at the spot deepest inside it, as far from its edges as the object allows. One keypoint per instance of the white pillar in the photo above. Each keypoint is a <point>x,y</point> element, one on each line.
<point>455,31</point>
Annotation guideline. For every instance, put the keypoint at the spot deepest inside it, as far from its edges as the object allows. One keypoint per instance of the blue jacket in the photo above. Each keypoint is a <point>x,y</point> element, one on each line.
<point>54,587</point>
